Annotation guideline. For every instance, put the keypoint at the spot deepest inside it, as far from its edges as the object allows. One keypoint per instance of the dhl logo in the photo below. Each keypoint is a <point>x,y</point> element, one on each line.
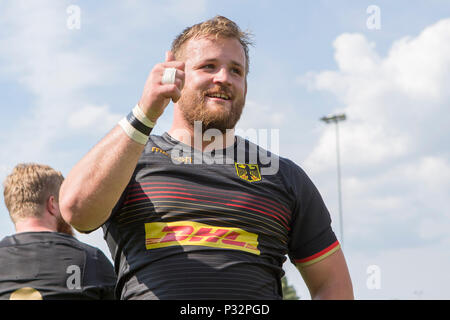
<point>166,234</point>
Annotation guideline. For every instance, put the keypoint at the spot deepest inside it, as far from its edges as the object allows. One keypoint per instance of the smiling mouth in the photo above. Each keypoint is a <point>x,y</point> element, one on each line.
<point>222,96</point>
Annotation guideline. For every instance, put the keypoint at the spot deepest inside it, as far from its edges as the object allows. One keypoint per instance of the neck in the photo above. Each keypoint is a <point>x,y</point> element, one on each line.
<point>193,136</point>
<point>33,225</point>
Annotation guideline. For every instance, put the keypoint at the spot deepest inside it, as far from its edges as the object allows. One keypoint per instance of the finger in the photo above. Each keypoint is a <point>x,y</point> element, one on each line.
<point>179,83</point>
<point>173,64</point>
<point>169,88</point>
<point>170,56</point>
<point>176,94</point>
<point>171,91</point>
<point>179,78</point>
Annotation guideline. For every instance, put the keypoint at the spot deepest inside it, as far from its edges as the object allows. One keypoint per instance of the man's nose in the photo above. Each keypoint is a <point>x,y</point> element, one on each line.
<point>222,76</point>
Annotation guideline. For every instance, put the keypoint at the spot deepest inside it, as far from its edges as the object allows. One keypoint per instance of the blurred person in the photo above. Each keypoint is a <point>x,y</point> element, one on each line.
<point>196,213</point>
<point>43,260</point>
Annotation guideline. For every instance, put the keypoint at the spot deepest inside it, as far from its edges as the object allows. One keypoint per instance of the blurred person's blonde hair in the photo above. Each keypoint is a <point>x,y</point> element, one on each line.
<point>27,189</point>
<point>219,27</point>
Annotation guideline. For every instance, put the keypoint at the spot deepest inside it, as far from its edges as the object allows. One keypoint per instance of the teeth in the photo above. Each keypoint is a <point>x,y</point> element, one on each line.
<point>219,95</point>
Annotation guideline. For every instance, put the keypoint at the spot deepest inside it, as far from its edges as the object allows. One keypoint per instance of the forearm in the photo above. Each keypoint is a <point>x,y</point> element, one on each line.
<point>95,183</point>
<point>335,290</point>
<point>328,278</point>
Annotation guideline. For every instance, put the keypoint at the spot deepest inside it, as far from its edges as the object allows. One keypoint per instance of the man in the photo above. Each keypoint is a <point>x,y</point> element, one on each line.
<point>43,260</point>
<point>190,218</point>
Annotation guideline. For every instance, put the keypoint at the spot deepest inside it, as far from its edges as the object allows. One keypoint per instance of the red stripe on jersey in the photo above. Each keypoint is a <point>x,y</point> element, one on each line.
<point>200,200</point>
<point>279,205</point>
<point>318,254</point>
<point>206,196</point>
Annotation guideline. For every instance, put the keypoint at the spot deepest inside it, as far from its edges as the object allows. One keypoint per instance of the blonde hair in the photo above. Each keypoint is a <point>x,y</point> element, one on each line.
<point>218,26</point>
<point>28,187</point>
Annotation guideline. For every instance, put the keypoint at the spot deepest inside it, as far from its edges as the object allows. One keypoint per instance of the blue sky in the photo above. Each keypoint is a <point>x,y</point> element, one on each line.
<point>62,89</point>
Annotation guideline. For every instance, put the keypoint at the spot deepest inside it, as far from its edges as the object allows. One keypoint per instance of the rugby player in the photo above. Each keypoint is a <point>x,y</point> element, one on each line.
<point>209,217</point>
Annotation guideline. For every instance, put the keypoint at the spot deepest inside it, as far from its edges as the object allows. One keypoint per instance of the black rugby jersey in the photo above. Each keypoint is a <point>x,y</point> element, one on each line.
<point>193,225</point>
<point>52,265</point>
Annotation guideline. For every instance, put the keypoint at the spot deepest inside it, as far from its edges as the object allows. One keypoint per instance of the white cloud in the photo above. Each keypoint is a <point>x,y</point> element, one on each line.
<point>392,103</point>
<point>359,58</point>
<point>396,174</point>
<point>58,67</point>
<point>389,102</point>
<point>260,124</point>
<point>42,55</point>
<point>432,171</point>
<point>258,115</point>
<point>420,66</point>
<point>361,144</point>
<point>96,118</point>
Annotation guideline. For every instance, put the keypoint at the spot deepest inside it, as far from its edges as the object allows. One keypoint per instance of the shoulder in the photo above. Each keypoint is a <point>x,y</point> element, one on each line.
<point>265,156</point>
<point>158,146</point>
<point>6,241</point>
<point>162,142</point>
<point>70,241</point>
<point>95,258</point>
<point>30,238</point>
<point>91,251</point>
<point>292,172</point>
<point>289,172</point>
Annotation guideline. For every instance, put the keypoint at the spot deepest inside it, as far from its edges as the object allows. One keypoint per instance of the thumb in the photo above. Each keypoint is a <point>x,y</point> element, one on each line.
<point>170,56</point>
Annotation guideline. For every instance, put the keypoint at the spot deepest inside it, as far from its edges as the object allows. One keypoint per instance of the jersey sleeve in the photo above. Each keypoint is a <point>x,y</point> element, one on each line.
<point>312,238</point>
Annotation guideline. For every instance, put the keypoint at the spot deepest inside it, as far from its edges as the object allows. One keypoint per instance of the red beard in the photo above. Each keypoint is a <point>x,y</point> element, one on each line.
<point>193,106</point>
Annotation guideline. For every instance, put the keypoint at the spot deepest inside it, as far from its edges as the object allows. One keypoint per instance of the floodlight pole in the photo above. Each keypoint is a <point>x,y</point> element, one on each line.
<point>335,119</point>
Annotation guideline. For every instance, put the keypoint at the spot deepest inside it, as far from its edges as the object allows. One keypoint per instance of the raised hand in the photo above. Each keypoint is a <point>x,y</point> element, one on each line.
<point>156,95</point>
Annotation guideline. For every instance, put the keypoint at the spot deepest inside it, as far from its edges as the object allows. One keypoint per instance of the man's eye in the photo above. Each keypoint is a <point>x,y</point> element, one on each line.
<point>208,66</point>
<point>236,70</point>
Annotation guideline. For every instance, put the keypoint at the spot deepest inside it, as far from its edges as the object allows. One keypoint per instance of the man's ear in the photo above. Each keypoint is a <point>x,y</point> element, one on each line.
<point>52,206</point>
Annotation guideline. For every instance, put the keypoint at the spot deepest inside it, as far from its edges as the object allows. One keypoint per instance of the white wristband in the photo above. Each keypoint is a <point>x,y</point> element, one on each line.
<point>133,133</point>
<point>140,115</point>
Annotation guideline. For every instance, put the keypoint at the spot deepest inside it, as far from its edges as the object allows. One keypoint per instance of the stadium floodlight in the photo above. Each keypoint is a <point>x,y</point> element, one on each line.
<point>335,119</point>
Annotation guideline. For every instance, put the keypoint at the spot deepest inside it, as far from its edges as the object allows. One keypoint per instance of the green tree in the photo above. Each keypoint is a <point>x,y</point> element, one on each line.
<point>289,292</point>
